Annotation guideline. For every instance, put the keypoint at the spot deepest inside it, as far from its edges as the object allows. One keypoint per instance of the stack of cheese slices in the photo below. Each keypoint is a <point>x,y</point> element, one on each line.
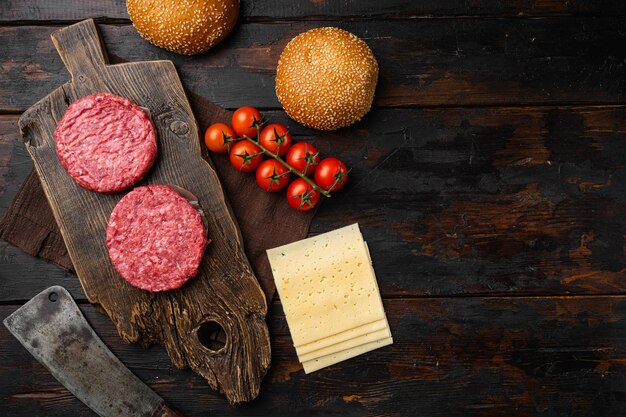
<point>330,297</point>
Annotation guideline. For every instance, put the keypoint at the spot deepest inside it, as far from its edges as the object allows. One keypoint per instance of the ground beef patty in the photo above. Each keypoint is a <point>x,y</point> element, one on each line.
<point>155,238</point>
<point>105,143</point>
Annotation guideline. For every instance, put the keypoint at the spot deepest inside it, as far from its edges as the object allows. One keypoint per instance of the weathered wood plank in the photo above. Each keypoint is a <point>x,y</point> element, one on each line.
<point>425,8</point>
<point>224,291</point>
<point>472,357</point>
<point>61,10</point>
<point>463,201</point>
<point>423,62</point>
<point>68,10</point>
<point>488,200</point>
<point>21,274</point>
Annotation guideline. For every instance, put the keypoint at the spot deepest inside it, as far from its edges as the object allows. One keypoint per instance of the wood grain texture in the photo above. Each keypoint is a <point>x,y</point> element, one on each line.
<point>67,10</point>
<point>22,275</point>
<point>496,198</point>
<point>465,201</point>
<point>225,290</point>
<point>463,356</point>
<point>425,63</point>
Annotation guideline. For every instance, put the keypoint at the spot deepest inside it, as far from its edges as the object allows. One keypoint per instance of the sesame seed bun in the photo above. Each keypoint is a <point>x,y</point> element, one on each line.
<point>326,78</point>
<point>185,27</point>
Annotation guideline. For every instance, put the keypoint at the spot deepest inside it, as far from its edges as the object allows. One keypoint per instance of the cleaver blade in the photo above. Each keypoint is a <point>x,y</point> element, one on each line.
<point>55,332</point>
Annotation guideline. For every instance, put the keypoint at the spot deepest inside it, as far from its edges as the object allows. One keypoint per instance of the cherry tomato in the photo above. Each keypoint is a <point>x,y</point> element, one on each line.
<point>331,174</point>
<point>301,196</point>
<point>272,176</point>
<point>245,120</point>
<point>217,137</point>
<point>245,156</point>
<point>276,139</point>
<point>303,157</point>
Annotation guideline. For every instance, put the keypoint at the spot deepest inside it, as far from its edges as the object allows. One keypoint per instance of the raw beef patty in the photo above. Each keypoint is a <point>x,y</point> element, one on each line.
<point>155,238</point>
<point>105,143</point>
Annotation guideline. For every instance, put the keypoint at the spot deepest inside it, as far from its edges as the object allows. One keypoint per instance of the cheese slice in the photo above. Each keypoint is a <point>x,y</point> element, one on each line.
<point>324,361</point>
<point>326,284</point>
<point>342,337</point>
<point>348,344</point>
<point>353,333</point>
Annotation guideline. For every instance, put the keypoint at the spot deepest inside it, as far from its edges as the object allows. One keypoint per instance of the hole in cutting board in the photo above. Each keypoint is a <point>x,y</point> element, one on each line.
<point>212,335</point>
<point>53,297</point>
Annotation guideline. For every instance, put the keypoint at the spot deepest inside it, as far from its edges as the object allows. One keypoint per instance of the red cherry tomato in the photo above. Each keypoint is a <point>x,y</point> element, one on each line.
<point>301,196</point>
<point>217,137</point>
<point>331,174</point>
<point>245,120</point>
<point>245,156</point>
<point>276,139</point>
<point>272,176</point>
<point>303,157</point>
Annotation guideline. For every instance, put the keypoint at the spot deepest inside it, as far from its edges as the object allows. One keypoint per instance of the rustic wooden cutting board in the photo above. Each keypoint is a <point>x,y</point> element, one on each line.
<point>225,292</point>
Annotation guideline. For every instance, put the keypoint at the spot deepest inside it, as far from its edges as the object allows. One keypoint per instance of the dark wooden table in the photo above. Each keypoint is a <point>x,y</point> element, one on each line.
<point>489,181</point>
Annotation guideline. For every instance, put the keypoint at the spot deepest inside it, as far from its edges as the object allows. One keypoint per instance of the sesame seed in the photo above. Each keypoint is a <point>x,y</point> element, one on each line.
<point>326,78</point>
<point>185,27</point>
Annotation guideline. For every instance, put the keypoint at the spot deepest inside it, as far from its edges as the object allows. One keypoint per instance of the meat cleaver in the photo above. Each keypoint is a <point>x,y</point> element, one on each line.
<point>57,334</point>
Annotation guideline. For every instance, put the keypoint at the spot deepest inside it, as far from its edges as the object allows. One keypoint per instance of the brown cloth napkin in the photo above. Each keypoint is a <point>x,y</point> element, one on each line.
<point>265,219</point>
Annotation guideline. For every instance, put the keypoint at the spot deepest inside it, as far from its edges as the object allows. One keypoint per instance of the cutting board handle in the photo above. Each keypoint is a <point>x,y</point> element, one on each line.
<point>81,50</point>
<point>225,294</point>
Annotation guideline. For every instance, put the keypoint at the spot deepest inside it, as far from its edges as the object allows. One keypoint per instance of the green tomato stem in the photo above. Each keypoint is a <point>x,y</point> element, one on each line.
<point>291,169</point>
